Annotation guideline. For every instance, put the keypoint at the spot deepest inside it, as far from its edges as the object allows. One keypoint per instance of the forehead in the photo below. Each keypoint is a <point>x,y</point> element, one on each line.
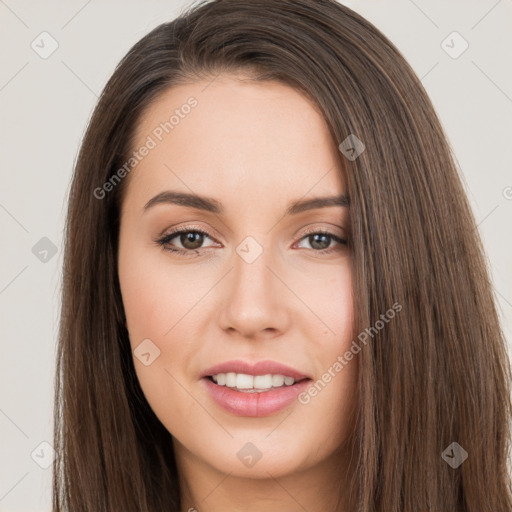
<point>234,135</point>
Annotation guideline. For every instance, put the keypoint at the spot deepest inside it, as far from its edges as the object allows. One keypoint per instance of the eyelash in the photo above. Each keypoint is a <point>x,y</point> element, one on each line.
<point>164,241</point>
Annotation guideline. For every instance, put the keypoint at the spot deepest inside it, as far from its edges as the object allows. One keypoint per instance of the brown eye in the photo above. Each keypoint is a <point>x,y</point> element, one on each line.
<point>320,241</point>
<point>192,240</point>
<point>187,241</point>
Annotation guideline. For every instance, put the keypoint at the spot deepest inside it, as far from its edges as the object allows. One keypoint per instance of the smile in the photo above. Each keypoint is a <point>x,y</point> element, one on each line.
<point>252,383</point>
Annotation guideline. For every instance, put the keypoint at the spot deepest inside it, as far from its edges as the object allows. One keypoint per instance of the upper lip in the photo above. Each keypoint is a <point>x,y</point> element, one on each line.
<point>257,368</point>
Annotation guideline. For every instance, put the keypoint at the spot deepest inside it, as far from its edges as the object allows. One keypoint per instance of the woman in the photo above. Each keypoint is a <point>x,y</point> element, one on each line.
<point>275,297</point>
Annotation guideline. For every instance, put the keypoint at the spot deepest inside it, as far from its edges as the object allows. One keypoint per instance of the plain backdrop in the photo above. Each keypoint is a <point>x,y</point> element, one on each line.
<point>45,106</point>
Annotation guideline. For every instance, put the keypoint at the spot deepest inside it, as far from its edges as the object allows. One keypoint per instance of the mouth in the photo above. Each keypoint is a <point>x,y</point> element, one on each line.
<point>249,370</point>
<point>261,389</point>
<point>246,383</point>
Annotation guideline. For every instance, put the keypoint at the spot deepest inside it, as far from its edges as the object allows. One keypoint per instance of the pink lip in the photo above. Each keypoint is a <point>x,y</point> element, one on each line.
<point>259,368</point>
<point>254,404</point>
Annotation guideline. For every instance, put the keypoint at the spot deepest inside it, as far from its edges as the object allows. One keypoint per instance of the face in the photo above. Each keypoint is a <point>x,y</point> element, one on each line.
<point>239,279</point>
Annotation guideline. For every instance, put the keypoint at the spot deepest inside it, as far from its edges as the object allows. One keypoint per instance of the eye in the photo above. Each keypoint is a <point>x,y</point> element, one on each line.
<point>320,241</point>
<point>192,239</point>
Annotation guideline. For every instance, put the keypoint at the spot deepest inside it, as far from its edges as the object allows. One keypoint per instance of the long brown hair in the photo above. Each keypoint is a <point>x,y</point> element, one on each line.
<point>437,374</point>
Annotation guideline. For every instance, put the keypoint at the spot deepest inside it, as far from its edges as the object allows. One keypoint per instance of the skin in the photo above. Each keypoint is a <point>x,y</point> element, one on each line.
<point>242,143</point>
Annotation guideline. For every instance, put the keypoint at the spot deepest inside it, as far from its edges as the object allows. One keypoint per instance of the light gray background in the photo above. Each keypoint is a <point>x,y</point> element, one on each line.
<point>46,103</point>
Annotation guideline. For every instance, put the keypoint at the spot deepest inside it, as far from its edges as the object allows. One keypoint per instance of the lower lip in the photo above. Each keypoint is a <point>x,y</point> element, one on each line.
<point>254,404</point>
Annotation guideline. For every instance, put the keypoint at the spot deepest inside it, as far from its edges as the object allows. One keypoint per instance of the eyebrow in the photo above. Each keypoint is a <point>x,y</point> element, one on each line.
<point>212,205</point>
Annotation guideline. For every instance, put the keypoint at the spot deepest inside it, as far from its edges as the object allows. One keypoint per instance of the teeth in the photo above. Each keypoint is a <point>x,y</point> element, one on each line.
<point>252,383</point>
<point>230,380</point>
<point>244,381</point>
<point>277,380</point>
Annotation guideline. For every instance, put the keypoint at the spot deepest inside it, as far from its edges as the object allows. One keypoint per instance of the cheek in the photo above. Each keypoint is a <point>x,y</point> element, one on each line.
<point>156,295</point>
<point>328,295</point>
<point>328,410</point>
<point>338,306</point>
<point>160,302</point>
<point>155,302</point>
<point>332,399</point>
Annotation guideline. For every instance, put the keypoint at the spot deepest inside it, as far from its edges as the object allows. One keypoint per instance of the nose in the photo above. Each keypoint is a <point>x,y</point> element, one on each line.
<point>254,298</point>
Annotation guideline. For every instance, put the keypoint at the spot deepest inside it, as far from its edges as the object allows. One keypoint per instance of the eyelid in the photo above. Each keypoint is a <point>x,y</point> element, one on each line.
<point>316,229</point>
<point>187,227</point>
